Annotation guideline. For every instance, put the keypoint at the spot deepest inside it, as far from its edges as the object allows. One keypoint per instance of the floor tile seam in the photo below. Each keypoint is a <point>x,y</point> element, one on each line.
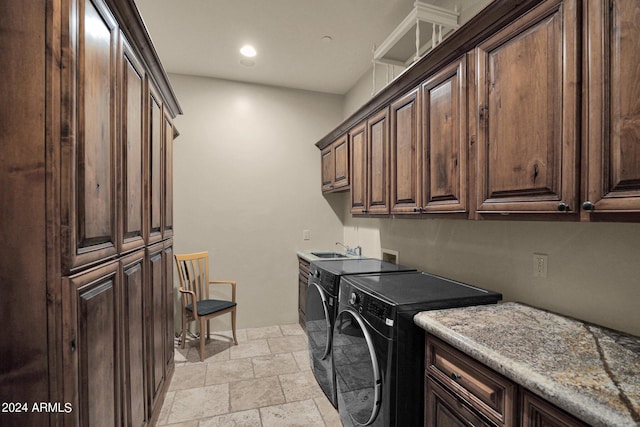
<point>170,406</point>
<point>324,420</point>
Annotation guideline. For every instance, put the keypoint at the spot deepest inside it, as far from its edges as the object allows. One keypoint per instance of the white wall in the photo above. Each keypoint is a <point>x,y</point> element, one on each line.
<point>247,182</point>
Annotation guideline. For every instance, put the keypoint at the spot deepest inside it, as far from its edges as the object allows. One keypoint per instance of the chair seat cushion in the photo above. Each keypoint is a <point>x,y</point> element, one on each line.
<point>209,306</point>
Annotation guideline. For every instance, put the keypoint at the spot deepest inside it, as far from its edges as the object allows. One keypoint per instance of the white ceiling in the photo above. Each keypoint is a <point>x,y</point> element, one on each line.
<point>203,38</point>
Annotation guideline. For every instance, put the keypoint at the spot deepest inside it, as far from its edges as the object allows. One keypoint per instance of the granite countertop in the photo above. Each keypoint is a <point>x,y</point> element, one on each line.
<point>589,371</point>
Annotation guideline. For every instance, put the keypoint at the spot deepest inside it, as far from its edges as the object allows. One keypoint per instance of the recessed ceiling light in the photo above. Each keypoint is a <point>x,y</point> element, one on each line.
<point>248,51</point>
<point>326,39</point>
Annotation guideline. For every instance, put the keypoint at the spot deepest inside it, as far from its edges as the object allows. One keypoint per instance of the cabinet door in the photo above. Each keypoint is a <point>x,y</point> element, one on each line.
<point>404,147</point>
<point>92,370</point>
<point>612,122</point>
<point>167,259</point>
<point>537,412</point>
<point>133,335</point>
<point>358,148</point>
<point>88,155</point>
<point>527,86</point>
<point>154,166</point>
<point>155,310</point>
<point>328,168</point>
<point>131,195</point>
<point>444,155</point>
<point>378,164</point>
<point>167,177</point>
<point>442,409</point>
<point>341,162</point>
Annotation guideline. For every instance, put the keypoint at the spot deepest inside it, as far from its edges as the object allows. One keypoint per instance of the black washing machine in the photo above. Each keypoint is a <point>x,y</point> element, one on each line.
<point>321,308</point>
<point>379,364</point>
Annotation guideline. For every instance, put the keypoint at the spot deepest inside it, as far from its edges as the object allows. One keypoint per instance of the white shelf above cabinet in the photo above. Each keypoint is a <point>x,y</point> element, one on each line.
<point>422,30</point>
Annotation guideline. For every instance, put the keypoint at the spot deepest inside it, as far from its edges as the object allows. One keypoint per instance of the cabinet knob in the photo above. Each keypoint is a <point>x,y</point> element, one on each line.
<point>588,206</point>
<point>563,207</point>
<point>420,209</point>
<point>455,376</point>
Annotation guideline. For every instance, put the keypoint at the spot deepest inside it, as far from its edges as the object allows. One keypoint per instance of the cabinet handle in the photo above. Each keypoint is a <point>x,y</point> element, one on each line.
<point>455,376</point>
<point>588,206</point>
<point>563,207</point>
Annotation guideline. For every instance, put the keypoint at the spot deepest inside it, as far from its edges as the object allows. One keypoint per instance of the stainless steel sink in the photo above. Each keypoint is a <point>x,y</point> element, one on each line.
<point>328,255</point>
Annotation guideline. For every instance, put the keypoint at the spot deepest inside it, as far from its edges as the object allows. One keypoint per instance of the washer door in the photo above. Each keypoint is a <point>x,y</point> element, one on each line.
<point>319,328</point>
<point>318,322</point>
<point>359,383</point>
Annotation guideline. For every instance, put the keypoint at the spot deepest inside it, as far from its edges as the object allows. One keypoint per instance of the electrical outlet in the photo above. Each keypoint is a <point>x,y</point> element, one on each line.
<point>540,262</point>
<point>306,234</point>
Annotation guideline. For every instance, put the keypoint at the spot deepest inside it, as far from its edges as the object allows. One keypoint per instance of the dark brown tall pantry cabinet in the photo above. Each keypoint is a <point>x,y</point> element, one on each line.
<point>86,270</point>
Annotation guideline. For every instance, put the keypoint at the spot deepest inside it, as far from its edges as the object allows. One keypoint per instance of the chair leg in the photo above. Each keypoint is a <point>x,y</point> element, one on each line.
<point>184,329</point>
<point>202,338</point>
<point>233,325</point>
<point>208,328</point>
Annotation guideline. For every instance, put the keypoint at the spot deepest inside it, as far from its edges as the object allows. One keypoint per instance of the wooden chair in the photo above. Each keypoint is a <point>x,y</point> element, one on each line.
<point>193,270</point>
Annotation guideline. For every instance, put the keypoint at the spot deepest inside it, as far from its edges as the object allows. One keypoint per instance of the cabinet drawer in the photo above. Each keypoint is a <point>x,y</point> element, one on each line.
<point>483,389</point>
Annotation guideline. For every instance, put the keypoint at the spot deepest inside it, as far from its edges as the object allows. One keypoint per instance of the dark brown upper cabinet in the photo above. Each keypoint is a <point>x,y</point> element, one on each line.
<point>444,140</point>
<point>611,154</point>
<point>527,107</point>
<point>335,165</point>
<point>88,149</point>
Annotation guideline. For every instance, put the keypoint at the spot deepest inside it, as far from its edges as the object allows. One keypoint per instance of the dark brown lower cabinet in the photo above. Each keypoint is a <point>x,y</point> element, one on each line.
<point>155,315</point>
<point>91,381</point>
<point>159,332</point>
<point>460,391</point>
<point>303,284</point>
<point>537,412</point>
<point>133,328</point>
<point>444,409</point>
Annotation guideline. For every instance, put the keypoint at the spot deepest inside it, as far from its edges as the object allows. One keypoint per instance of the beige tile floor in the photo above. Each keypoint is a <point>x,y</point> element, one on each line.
<point>264,381</point>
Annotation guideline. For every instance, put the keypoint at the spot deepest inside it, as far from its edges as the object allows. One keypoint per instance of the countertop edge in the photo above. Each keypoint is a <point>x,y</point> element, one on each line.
<point>582,407</point>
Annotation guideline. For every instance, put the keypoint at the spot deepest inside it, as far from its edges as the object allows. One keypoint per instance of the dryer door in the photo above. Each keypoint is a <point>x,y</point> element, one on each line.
<point>358,378</point>
<point>319,328</point>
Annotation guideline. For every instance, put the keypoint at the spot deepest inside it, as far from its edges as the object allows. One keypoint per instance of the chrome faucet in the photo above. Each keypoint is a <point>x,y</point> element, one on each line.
<point>357,251</point>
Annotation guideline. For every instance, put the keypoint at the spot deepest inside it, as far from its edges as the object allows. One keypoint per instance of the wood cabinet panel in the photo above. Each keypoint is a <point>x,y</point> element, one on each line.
<point>486,391</point>
<point>167,324</point>
<point>89,156</point>
<point>155,318</point>
<point>527,87</point>
<point>537,412</point>
<point>378,164</point>
<point>131,195</point>
<point>167,177</point>
<point>154,166</point>
<point>612,104</point>
<point>405,146</point>
<point>335,165</point>
<point>444,140</point>
<point>24,218</point>
<point>92,353</point>
<point>133,335</point>
<point>358,148</point>
<point>341,157</point>
<point>442,409</point>
<point>303,285</point>
<point>328,168</point>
